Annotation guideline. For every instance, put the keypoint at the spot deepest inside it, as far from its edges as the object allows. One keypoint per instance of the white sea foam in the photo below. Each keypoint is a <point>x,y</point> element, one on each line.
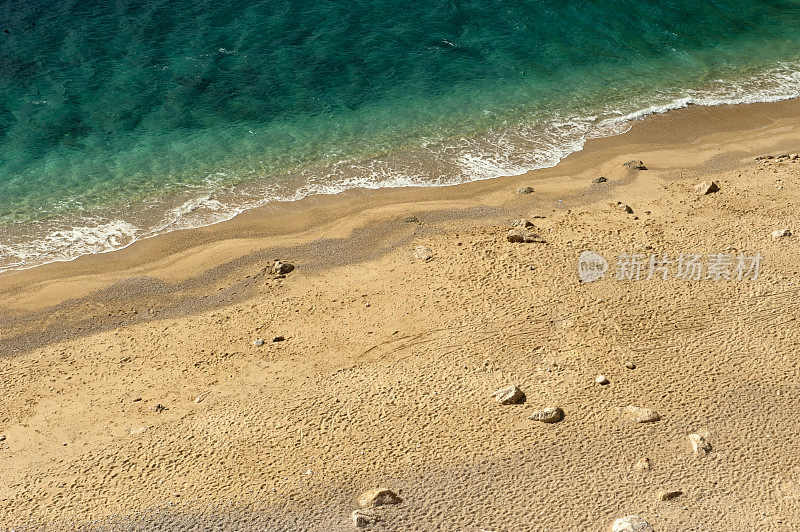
<point>514,151</point>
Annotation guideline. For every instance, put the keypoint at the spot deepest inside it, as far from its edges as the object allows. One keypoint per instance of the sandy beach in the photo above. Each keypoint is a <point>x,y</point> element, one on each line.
<point>181,382</point>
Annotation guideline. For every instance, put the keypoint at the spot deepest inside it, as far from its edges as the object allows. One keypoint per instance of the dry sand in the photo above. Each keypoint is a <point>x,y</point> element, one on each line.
<point>386,371</point>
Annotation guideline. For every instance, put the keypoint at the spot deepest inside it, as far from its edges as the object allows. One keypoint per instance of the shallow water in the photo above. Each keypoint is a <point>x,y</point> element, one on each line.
<point>127,119</point>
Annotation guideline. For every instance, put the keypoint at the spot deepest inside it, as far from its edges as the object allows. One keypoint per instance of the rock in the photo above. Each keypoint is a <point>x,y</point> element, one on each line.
<point>630,365</point>
<point>640,415</point>
<point>631,523</point>
<point>258,343</point>
<point>764,157</point>
<point>200,398</point>
<point>551,414</point>
<point>524,190</point>
<point>642,464</point>
<point>282,268</point>
<point>706,187</point>
<point>363,518</point>
<point>138,430</point>
<point>600,179</point>
<point>781,233</point>
<point>510,395</point>
<point>278,339</point>
<point>700,445</point>
<point>668,495</point>
<point>521,222</point>
<point>522,235</point>
<point>160,408</point>
<point>411,220</point>
<point>423,253</point>
<point>624,208</point>
<point>636,165</point>
<point>602,380</point>
<point>379,497</point>
<point>793,156</point>
<point>2,437</point>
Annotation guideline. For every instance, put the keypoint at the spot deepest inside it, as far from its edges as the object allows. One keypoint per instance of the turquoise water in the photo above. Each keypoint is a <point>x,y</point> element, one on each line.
<point>120,120</point>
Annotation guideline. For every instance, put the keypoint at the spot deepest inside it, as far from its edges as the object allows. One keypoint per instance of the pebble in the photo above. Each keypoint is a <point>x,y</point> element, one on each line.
<point>706,187</point>
<point>700,445</point>
<point>200,398</point>
<point>138,430</point>
<point>781,233</point>
<point>630,365</point>
<point>510,395</point>
<point>642,464</point>
<point>636,165</point>
<point>411,220</point>
<point>640,415</point>
<point>378,497</point>
<point>522,235</point>
<point>363,518</point>
<point>521,222</point>
<point>600,179</point>
<point>278,339</point>
<point>793,156</point>
<point>423,253</point>
<point>631,523</point>
<point>282,268</point>
<point>524,190</point>
<point>2,437</point>
<point>551,414</point>
<point>258,343</point>
<point>601,380</point>
<point>668,495</point>
<point>624,207</point>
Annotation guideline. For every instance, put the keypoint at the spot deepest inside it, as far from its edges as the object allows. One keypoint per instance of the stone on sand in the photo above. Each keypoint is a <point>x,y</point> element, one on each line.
<point>642,464</point>
<point>600,179</point>
<point>781,233</point>
<point>423,253</point>
<point>636,165</point>
<point>282,268</point>
<point>668,495</point>
<point>524,190</point>
<point>631,523</point>
<point>640,415</point>
<point>630,365</point>
<point>706,187</point>
<point>700,445</point>
<point>551,414</point>
<point>522,235</point>
<point>521,222</point>
<point>364,518</point>
<point>601,380</point>
<point>378,497</point>
<point>624,207</point>
<point>258,343</point>
<point>510,395</point>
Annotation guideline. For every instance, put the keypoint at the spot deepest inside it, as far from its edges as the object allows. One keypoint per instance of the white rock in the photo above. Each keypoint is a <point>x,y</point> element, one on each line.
<point>138,430</point>
<point>699,444</point>
<point>640,415</point>
<point>642,464</point>
<point>706,187</point>
<point>509,395</point>
<point>551,414</point>
<point>258,343</point>
<point>363,518</point>
<point>631,523</point>
<point>423,253</point>
<point>601,380</point>
<point>282,268</point>
<point>781,233</point>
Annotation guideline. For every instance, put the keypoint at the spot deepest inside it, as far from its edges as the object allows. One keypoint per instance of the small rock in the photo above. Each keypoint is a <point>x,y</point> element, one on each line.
<point>524,190</point>
<point>764,157</point>
<point>282,268</point>
<point>630,365</point>
<point>706,187</point>
<point>700,445</point>
<point>423,253</point>
<point>258,343</point>
<point>510,395</point>
<point>551,414</point>
<point>781,233</point>
<point>642,464</point>
<point>200,398</point>
<point>138,430</point>
<point>2,437</point>
<point>793,156</point>
<point>624,208</point>
<point>521,222</point>
<point>640,415</point>
<point>278,339</point>
<point>668,495</point>
<point>631,523</point>
<point>522,235</point>
<point>602,380</point>
<point>160,408</point>
<point>411,220</point>
<point>600,179</point>
<point>364,518</point>
<point>379,497</point>
<point>636,165</point>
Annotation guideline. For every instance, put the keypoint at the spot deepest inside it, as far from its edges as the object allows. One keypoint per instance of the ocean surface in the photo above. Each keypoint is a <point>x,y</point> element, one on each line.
<point>121,120</point>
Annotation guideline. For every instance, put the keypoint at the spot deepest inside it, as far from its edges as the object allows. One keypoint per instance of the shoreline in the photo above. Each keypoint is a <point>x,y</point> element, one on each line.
<point>299,217</point>
<point>163,380</point>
